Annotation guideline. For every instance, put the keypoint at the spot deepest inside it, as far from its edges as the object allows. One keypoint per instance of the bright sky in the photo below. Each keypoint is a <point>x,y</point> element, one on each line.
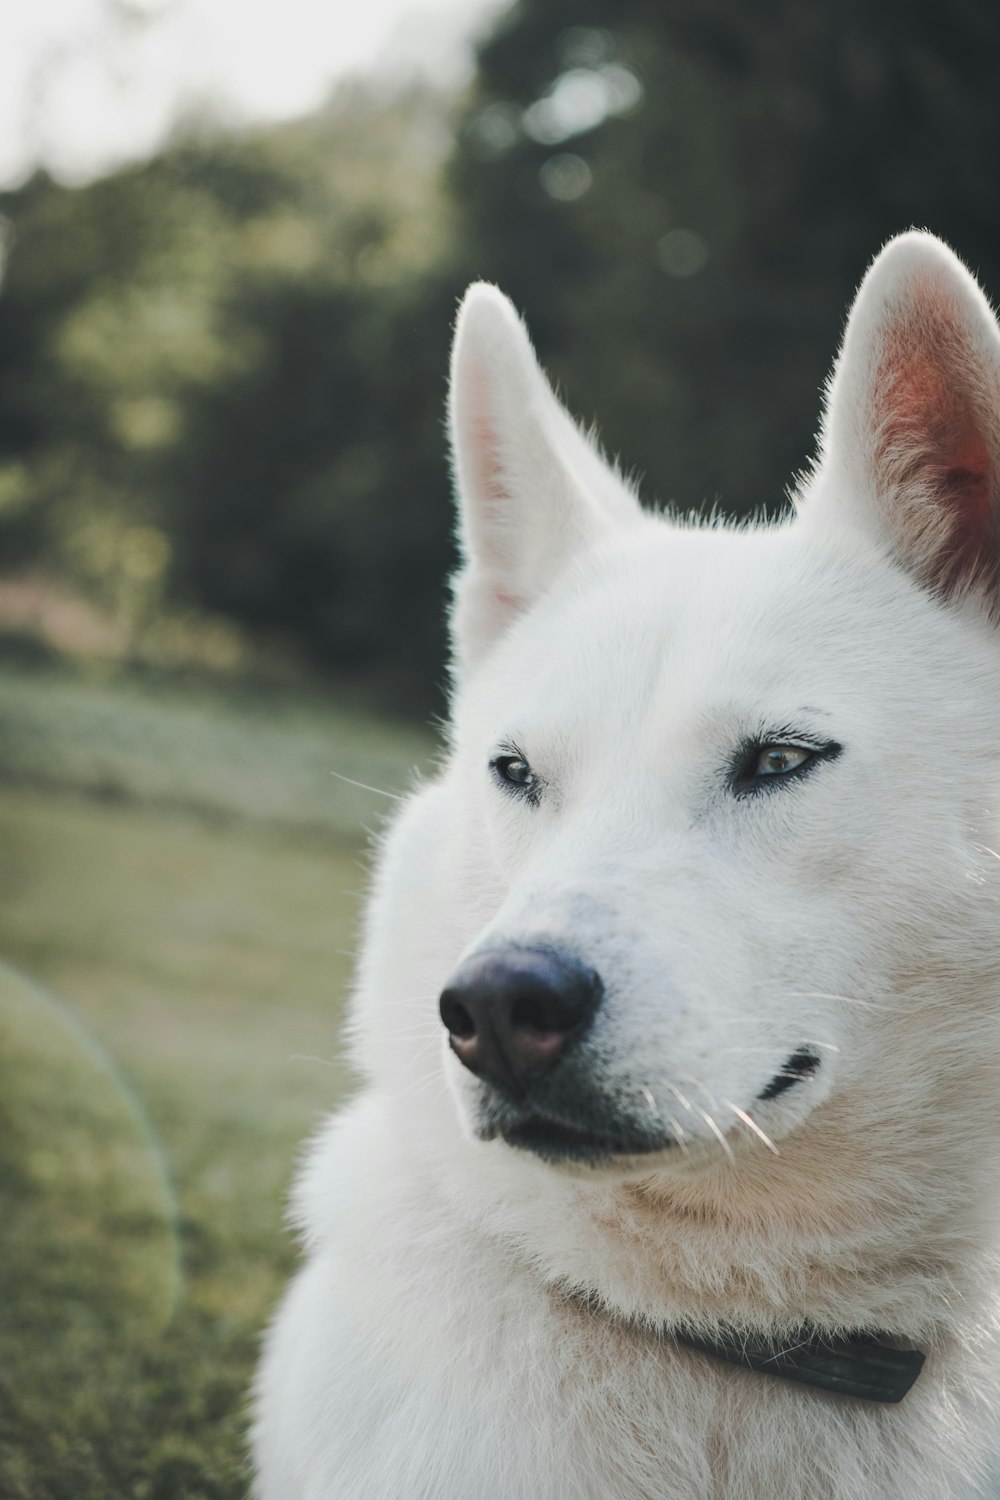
<point>88,84</point>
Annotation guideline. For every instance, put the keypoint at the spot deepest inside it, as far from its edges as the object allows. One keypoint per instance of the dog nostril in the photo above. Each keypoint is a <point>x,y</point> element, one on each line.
<point>457,1019</point>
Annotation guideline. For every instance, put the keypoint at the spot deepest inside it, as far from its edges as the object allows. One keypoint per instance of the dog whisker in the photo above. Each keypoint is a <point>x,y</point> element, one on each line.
<point>751,1124</point>
<point>379,791</point>
<point>713,1103</point>
<point>684,1103</point>
<point>430,1039</point>
<point>680,1135</point>
<point>420,1054</point>
<point>847,999</point>
<point>421,1083</point>
<point>713,1127</point>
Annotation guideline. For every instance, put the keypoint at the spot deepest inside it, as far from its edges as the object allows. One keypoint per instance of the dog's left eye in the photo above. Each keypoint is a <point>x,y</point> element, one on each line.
<point>778,760</point>
<point>769,762</point>
<point>513,771</point>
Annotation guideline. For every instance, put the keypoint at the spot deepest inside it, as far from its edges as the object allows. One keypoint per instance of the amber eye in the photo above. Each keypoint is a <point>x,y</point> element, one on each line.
<point>514,772</point>
<point>778,760</point>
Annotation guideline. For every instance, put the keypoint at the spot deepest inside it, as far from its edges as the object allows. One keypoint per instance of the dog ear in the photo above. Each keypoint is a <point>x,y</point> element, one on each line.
<point>532,490</point>
<point>911,433</point>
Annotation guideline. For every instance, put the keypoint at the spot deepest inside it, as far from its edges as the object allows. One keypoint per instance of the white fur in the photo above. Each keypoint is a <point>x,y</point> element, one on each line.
<point>472,1323</point>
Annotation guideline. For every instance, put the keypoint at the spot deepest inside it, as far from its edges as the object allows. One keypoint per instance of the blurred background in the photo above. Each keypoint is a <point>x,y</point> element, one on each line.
<point>231,242</point>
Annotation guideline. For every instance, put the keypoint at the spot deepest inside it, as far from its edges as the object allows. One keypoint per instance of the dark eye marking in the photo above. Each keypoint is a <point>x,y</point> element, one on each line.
<point>768,762</point>
<point>513,774</point>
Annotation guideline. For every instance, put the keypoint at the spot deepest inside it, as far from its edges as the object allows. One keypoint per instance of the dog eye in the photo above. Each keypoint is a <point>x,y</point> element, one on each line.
<point>778,760</point>
<point>514,772</point>
<point>769,762</point>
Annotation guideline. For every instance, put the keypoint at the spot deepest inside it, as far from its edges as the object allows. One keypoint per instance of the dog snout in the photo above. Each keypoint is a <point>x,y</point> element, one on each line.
<point>512,1013</point>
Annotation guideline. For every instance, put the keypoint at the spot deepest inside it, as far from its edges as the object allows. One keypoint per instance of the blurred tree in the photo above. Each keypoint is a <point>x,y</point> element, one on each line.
<point>311,493</point>
<point>316,497</point>
<point>222,372</point>
<point>213,386</point>
<point>682,196</point>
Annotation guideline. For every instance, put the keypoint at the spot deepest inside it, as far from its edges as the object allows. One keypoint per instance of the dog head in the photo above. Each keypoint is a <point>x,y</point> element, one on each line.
<point>718,806</point>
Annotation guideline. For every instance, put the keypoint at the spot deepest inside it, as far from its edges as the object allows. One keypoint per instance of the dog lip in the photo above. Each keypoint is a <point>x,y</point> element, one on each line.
<point>553,1140</point>
<point>800,1067</point>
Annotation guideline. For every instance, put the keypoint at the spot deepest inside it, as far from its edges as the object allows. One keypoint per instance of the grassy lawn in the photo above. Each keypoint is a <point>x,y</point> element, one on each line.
<point>178,1039</point>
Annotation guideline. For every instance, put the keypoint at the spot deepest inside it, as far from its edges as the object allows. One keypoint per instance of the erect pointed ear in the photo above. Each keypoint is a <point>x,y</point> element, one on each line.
<point>532,490</point>
<point>911,437</point>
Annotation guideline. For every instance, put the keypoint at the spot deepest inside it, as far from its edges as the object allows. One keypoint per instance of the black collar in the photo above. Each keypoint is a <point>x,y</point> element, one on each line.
<point>856,1364</point>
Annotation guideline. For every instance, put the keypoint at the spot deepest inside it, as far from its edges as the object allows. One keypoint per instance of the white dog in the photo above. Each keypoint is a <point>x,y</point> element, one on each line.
<point>679,1004</point>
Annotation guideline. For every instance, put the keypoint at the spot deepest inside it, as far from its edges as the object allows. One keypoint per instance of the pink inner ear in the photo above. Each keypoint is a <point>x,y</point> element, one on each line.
<point>492,484</point>
<point>967,480</point>
<point>483,439</point>
<point>930,443</point>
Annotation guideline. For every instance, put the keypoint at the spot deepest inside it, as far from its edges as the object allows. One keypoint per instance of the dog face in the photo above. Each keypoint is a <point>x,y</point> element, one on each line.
<point>681,775</point>
<point>719,803</point>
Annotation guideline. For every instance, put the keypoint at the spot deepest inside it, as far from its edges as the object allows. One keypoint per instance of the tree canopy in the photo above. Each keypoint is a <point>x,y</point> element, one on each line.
<point>222,371</point>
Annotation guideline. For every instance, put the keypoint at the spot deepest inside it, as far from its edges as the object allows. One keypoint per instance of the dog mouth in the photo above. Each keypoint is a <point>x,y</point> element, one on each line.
<point>554,1141</point>
<point>800,1067</point>
<point>557,1130</point>
<point>570,1130</point>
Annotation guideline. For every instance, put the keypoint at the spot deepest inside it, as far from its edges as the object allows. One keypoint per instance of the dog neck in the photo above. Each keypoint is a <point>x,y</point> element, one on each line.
<point>863,1364</point>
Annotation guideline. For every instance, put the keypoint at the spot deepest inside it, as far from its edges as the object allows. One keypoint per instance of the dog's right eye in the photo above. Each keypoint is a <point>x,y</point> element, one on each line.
<point>514,773</point>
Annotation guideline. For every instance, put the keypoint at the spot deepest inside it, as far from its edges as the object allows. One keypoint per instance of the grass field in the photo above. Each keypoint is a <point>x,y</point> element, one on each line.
<point>177,1040</point>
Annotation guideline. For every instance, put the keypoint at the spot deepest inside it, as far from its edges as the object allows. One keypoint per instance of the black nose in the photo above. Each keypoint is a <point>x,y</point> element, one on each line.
<point>511,1013</point>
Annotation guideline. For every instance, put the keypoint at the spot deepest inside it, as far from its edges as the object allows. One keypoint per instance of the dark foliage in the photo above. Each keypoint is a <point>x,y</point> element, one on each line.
<point>691,298</point>
<point>240,348</point>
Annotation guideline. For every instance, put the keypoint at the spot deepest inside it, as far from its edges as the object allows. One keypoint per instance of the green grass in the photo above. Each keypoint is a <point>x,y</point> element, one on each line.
<point>227,751</point>
<point>150,1114</point>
